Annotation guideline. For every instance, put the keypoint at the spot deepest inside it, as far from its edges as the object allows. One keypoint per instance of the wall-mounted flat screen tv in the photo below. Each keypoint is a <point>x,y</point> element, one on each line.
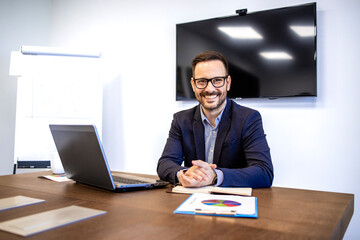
<point>271,53</point>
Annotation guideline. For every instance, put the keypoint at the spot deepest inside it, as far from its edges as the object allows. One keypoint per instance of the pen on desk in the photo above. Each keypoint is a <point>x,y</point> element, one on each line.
<point>203,211</point>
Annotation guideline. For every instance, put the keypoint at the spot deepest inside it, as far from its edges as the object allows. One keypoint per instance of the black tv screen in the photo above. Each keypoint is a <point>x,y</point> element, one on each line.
<point>271,53</point>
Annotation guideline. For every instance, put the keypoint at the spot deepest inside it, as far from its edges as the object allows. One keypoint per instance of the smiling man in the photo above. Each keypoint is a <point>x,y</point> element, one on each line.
<point>217,142</point>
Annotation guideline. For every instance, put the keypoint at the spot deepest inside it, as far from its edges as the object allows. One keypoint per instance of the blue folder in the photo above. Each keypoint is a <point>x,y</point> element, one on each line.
<point>223,212</point>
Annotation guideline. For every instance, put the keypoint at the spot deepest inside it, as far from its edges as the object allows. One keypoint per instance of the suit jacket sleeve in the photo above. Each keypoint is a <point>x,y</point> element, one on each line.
<point>172,157</point>
<point>244,154</point>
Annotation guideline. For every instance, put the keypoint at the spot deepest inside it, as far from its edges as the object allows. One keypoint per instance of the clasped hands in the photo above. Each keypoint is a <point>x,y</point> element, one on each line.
<point>198,175</point>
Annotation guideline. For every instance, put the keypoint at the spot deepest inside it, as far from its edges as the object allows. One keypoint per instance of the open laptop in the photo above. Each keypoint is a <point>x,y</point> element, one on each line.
<point>84,161</point>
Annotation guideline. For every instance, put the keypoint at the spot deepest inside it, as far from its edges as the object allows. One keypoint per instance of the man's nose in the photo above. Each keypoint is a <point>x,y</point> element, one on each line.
<point>210,86</point>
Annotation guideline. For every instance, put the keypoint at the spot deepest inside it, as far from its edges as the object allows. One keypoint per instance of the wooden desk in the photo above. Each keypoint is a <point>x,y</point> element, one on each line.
<point>284,213</point>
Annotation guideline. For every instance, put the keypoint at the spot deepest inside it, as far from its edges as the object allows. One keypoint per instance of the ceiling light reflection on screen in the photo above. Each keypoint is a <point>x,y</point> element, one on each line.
<point>276,55</point>
<point>304,31</point>
<point>241,32</point>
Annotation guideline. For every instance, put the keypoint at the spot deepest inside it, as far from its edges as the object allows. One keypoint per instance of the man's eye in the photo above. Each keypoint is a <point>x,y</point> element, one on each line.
<point>202,82</point>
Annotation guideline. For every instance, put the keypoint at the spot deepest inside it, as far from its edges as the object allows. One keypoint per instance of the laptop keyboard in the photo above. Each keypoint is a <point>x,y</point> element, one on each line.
<point>126,180</point>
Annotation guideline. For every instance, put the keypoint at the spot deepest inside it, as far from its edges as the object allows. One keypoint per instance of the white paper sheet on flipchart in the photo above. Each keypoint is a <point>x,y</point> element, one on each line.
<point>18,201</point>
<point>44,221</point>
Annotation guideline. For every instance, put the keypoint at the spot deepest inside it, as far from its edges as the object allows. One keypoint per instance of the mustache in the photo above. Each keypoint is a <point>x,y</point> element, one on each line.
<point>209,93</point>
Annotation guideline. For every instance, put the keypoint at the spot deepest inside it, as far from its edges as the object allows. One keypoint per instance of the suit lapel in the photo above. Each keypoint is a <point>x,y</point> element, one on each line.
<point>224,127</point>
<point>198,129</point>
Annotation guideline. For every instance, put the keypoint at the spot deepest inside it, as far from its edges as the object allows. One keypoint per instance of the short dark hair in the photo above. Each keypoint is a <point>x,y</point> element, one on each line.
<point>207,56</point>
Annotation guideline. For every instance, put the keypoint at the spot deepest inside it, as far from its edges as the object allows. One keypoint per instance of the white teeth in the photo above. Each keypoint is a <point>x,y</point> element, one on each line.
<point>210,96</point>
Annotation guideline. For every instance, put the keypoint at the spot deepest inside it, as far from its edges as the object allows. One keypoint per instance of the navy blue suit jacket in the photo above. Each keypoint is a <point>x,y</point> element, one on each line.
<point>241,150</point>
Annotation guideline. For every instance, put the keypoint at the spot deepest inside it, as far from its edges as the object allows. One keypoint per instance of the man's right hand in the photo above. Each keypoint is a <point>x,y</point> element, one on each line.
<point>200,174</point>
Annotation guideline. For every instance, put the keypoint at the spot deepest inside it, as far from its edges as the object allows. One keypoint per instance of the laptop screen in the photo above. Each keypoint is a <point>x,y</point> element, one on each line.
<point>82,155</point>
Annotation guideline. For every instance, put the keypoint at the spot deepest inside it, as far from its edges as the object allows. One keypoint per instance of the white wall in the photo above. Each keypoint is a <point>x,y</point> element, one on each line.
<point>313,140</point>
<point>21,23</point>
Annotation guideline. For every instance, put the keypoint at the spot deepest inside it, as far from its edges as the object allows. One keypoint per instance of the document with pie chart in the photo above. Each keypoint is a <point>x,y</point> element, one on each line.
<point>219,205</point>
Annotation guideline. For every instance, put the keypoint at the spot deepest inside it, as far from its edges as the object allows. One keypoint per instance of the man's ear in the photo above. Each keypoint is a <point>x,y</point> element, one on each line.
<point>229,83</point>
<point>192,84</point>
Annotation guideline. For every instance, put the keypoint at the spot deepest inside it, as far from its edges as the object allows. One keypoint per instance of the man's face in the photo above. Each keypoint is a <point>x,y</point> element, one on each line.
<point>211,98</point>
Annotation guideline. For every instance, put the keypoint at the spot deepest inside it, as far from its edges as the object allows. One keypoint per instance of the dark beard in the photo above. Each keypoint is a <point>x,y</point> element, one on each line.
<point>215,107</point>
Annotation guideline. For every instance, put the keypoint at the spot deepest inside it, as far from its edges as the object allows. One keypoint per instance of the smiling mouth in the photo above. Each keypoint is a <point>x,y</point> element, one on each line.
<point>210,96</point>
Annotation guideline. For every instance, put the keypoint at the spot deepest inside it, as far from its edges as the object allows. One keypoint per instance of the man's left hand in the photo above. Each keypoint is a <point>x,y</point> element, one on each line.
<point>200,174</point>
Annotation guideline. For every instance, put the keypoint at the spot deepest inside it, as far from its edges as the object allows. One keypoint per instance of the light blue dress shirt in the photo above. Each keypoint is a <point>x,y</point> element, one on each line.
<point>210,133</point>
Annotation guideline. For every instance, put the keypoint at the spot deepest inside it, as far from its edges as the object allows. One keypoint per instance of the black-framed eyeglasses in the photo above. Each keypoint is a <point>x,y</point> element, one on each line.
<point>217,82</point>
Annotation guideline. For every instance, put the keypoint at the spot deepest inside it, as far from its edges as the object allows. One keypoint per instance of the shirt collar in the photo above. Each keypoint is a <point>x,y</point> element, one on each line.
<point>205,120</point>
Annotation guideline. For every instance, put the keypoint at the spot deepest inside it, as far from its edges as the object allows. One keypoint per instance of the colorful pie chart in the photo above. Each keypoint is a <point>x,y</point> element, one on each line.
<point>220,203</point>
